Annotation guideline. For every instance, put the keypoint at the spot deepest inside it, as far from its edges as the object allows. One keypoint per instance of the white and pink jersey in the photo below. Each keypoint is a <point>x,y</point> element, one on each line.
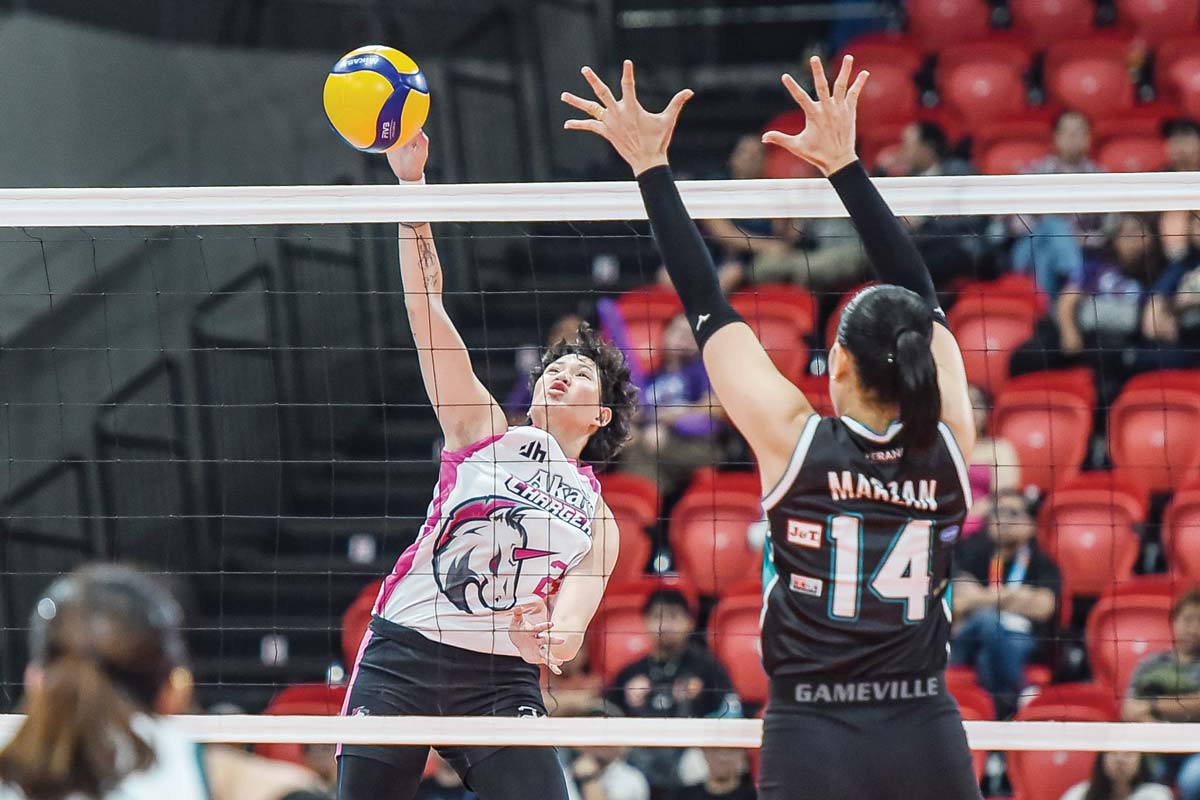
<point>511,515</point>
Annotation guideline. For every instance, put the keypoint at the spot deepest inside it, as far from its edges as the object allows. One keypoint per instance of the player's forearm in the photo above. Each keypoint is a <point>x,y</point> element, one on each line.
<point>420,268</point>
<point>687,260</point>
<point>891,250</point>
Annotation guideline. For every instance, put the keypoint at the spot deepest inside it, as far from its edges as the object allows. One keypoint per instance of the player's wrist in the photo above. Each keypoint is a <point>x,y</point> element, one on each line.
<point>646,164</point>
<point>838,164</point>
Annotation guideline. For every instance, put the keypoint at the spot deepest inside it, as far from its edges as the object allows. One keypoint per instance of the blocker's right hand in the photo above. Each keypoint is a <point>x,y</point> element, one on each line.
<point>408,160</point>
<point>827,141</point>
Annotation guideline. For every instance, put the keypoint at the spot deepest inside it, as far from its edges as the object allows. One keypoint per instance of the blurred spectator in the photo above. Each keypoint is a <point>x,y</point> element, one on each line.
<point>1183,155</point>
<point>678,678</point>
<point>520,396</point>
<point>575,690</point>
<point>444,784</point>
<point>1165,687</point>
<point>1172,314</point>
<point>1051,247</point>
<point>681,419</point>
<point>1119,776</point>
<point>1183,144</point>
<point>728,777</point>
<point>995,466</point>
<point>1006,592</point>
<point>602,773</point>
<point>1097,319</point>
<point>952,246</point>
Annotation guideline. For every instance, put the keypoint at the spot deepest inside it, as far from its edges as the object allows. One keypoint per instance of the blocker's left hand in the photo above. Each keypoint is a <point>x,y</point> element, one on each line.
<point>639,136</point>
<point>530,633</point>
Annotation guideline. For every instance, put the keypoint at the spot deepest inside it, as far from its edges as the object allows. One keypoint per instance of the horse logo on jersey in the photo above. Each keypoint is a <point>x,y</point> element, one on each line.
<point>478,557</point>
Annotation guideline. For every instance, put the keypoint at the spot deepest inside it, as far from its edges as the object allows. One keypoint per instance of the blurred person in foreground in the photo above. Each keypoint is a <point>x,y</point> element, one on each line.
<point>603,773</point>
<point>108,665</point>
<point>1050,246</point>
<point>728,777</point>
<point>1119,776</point>
<point>1005,597</point>
<point>1165,687</point>
<point>678,678</point>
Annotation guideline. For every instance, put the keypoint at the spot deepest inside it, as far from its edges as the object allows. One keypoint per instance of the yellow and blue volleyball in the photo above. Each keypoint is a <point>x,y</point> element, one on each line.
<point>376,98</point>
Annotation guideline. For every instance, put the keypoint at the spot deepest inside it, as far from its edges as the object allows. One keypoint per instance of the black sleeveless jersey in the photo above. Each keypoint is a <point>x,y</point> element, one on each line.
<point>857,568</point>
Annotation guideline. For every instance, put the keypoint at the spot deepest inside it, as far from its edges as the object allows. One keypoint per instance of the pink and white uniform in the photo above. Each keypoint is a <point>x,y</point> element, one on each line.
<point>511,515</point>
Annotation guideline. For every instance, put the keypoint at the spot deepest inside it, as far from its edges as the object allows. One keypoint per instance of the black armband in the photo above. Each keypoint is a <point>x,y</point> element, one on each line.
<point>891,250</point>
<point>687,260</point>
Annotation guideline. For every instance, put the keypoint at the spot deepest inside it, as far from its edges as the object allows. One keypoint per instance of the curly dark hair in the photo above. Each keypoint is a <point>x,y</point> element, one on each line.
<point>617,391</point>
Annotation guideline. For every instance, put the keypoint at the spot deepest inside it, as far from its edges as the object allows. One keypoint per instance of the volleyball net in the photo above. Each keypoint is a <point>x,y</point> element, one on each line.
<point>219,384</point>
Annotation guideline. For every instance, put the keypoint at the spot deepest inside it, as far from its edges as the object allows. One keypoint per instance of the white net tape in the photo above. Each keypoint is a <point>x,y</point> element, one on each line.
<point>1156,737</point>
<point>568,202</point>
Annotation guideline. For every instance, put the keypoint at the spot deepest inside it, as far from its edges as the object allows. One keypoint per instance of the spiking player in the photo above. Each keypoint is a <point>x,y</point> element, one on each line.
<point>514,555</point>
<point>863,507</point>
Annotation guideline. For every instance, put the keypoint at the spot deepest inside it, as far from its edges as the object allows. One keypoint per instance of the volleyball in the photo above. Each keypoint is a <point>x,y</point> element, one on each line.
<point>376,98</point>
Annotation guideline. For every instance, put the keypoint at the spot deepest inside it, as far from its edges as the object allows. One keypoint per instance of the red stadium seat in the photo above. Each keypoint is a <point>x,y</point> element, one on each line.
<point>988,331</point>
<point>355,620</point>
<point>1011,51</point>
<point>1155,20</point>
<point>1133,154</point>
<point>647,311</point>
<point>1048,424</point>
<point>1049,21</point>
<point>1087,526</point>
<point>1152,428</point>
<point>983,90</point>
<point>1012,156</point>
<point>735,639</point>
<point>1046,775</point>
<point>1091,74</point>
<point>1183,80</point>
<point>1181,532</point>
<point>634,503</point>
<point>890,96</point>
<point>617,634</point>
<point>1144,120</point>
<point>816,389</point>
<point>874,50</point>
<point>1176,62</point>
<point>1124,627</point>
<point>306,699</point>
<point>1093,85</point>
<point>937,23</point>
<point>1064,699</point>
<point>708,528</point>
<point>1026,128</point>
<point>974,704</point>
<point>781,316</point>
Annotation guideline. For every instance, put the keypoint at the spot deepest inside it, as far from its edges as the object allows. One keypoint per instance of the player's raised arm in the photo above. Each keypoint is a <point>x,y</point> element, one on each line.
<point>827,142</point>
<point>464,408</point>
<point>767,408</point>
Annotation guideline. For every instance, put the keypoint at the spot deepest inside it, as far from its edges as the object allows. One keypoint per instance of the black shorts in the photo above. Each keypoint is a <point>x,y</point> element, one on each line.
<point>889,739</point>
<point>401,673</point>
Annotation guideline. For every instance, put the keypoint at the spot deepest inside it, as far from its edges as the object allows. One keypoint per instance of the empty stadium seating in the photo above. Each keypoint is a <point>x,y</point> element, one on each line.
<point>1155,20</point>
<point>617,635</point>
<point>982,90</point>
<point>1181,532</point>
<point>988,330</point>
<point>634,503</point>
<point>937,23</point>
<point>1049,21</point>
<point>708,529</point>
<point>1132,154</point>
<point>1130,622</point>
<point>781,316</point>
<point>307,699</point>
<point>1152,428</point>
<point>1046,775</point>
<point>1048,418</point>
<point>734,637</point>
<point>647,311</point>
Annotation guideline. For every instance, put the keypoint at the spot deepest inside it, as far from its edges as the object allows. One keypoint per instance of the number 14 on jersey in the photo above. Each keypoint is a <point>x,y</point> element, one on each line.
<point>903,574</point>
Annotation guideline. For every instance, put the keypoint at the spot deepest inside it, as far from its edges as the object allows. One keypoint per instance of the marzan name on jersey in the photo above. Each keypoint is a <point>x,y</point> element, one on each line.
<point>846,486</point>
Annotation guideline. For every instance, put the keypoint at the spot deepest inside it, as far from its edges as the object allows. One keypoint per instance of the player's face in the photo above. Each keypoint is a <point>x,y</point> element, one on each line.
<point>568,395</point>
<point>1186,628</point>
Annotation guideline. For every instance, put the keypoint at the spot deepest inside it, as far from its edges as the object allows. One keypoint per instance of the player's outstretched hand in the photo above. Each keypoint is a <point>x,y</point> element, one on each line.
<point>408,160</point>
<point>827,141</point>
<point>639,136</point>
<point>530,633</point>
